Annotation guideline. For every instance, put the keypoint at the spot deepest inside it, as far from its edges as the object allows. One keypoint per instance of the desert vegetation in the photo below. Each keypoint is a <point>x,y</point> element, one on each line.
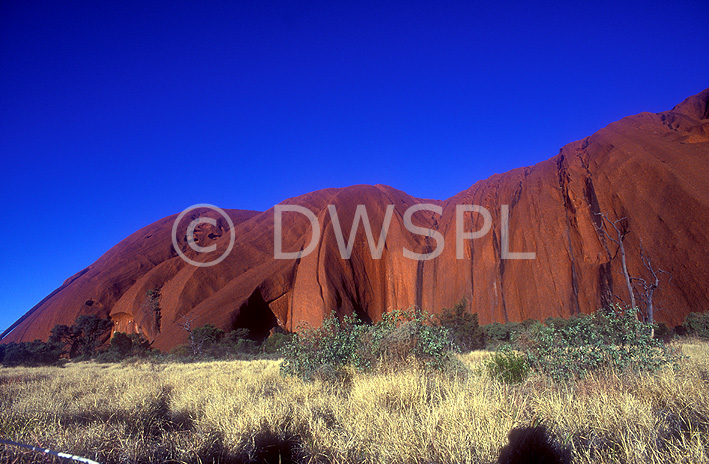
<point>246,411</point>
<point>395,392</point>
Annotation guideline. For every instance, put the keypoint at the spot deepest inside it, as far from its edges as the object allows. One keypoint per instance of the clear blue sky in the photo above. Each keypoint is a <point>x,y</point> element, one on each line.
<point>116,114</point>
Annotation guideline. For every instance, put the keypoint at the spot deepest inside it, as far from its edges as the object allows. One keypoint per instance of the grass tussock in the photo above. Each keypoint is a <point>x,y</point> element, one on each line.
<point>245,411</point>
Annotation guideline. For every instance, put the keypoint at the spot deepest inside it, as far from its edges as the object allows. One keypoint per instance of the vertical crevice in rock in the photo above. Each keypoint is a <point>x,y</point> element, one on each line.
<point>472,271</point>
<point>605,274</point>
<point>294,277</point>
<point>592,200</point>
<point>354,288</point>
<point>317,271</point>
<point>569,214</point>
<point>574,281</point>
<point>500,273</point>
<point>419,274</point>
<point>605,278</point>
<point>515,197</point>
<point>434,263</point>
<point>419,283</point>
<point>605,284</point>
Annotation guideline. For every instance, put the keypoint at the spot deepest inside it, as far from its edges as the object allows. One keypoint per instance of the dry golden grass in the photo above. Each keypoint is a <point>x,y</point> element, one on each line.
<point>241,410</point>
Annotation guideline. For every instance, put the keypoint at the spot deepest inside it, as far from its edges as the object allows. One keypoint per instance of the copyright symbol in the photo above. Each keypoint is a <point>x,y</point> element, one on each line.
<point>191,239</point>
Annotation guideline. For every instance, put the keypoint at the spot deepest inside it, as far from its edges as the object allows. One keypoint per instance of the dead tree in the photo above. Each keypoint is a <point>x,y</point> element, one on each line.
<point>620,236</point>
<point>648,286</point>
<point>186,324</point>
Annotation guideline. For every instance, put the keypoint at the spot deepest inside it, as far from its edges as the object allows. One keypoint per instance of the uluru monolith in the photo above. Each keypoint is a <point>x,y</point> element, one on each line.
<point>651,169</point>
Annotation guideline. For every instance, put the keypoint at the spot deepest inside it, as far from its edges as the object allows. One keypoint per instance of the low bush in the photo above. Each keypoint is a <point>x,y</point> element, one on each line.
<point>209,342</point>
<point>181,352</point>
<point>463,327</point>
<point>123,346</point>
<point>507,365</point>
<point>560,322</point>
<point>275,343</point>
<point>400,339</point>
<point>334,344</point>
<point>664,333</point>
<point>697,324</point>
<point>498,332</point>
<point>36,353</point>
<point>403,337</point>
<point>611,339</point>
<point>232,345</point>
<point>83,338</point>
<point>203,339</point>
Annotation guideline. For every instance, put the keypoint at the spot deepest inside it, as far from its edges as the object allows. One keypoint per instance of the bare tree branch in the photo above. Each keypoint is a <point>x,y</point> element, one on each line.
<point>186,324</point>
<point>649,285</point>
<point>620,234</point>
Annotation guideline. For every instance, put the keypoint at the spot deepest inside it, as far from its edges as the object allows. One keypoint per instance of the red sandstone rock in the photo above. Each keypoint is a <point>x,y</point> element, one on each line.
<point>651,168</point>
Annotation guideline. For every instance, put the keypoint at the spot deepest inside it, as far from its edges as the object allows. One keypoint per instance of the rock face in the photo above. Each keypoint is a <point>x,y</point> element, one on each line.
<point>652,169</point>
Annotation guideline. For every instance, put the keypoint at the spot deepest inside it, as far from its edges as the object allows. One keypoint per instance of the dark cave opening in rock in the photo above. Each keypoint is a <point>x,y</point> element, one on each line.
<point>256,316</point>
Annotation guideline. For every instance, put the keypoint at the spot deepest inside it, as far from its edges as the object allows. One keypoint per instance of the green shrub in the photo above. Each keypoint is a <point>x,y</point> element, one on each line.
<point>680,330</point>
<point>463,327</point>
<point>275,343</point>
<point>496,331</point>
<point>92,332</point>
<point>664,333</point>
<point>499,332</point>
<point>333,344</point>
<point>238,341</point>
<point>507,365</point>
<point>83,338</point>
<point>235,344</point>
<point>207,335</point>
<point>559,322</point>
<point>183,351</point>
<point>401,337</point>
<point>697,324</point>
<point>36,353</point>
<point>140,345</point>
<point>235,335</point>
<point>246,346</point>
<point>209,342</point>
<point>123,346</point>
<point>611,339</point>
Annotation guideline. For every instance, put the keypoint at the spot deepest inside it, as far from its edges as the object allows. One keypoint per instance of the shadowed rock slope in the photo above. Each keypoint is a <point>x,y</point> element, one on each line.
<point>652,169</point>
